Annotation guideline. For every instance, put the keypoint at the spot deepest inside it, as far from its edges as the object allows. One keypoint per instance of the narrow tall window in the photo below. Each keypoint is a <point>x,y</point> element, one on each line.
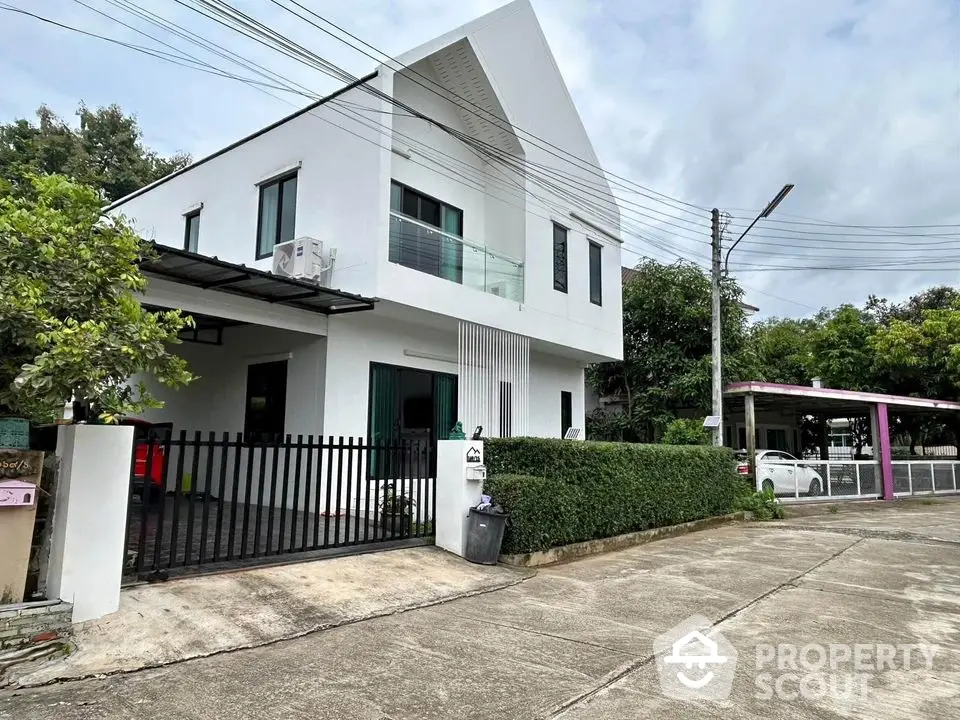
<point>277,217</point>
<point>559,258</point>
<point>596,288</point>
<point>266,407</point>
<point>191,231</point>
<point>506,410</point>
<point>566,412</point>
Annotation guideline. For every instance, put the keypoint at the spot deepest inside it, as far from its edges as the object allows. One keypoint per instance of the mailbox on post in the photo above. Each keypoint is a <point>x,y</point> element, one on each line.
<point>16,493</point>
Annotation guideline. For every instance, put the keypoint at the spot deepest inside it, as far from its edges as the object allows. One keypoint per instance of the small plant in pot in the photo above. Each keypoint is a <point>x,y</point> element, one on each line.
<point>396,511</point>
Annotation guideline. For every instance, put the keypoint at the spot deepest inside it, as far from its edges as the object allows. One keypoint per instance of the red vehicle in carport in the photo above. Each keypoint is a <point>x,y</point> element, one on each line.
<point>149,458</point>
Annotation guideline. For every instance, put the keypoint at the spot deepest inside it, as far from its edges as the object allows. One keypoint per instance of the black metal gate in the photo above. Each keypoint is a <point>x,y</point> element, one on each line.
<point>207,504</point>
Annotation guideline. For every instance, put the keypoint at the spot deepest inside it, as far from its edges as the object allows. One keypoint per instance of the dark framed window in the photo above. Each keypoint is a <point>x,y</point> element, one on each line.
<point>596,285</point>
<point>266,404</point>
<point>506,409</point>
<point>191,231</point>
<point>418,247</point>
<point>559,258</point>
<point>566,412</point>
<point>276,219</point>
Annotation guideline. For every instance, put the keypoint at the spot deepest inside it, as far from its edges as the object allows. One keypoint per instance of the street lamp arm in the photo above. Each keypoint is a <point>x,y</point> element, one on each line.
<point>726,258</point>
<point>771,206</point>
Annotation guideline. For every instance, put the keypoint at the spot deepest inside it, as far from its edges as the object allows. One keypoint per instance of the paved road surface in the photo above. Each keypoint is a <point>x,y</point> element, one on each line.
<point>576,641</point>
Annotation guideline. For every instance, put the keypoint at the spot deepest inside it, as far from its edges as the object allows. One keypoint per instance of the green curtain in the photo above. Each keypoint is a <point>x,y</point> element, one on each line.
<point>384,421</point>
<point>451,251</point>
<point>444,404</point>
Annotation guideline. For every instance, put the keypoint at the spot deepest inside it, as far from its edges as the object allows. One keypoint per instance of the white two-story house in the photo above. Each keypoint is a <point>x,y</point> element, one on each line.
<point>456,253</point>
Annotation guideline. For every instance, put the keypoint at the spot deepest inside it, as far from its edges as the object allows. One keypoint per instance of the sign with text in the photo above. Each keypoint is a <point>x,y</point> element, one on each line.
<point>20,472</point>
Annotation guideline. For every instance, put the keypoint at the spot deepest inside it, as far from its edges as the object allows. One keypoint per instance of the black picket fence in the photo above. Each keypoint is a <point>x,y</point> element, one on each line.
<point>209,503</point>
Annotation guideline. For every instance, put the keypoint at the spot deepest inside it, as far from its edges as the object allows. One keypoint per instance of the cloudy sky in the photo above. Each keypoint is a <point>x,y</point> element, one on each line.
<point>716,103</point>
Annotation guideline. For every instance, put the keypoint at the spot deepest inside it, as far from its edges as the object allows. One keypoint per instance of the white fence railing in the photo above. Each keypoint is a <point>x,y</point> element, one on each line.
<point>924,477</point>
<point>810,479</point>
<point>855,479</point>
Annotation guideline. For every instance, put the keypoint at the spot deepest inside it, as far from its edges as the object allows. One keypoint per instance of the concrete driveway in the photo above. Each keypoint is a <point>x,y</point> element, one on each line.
<point>577,641</point>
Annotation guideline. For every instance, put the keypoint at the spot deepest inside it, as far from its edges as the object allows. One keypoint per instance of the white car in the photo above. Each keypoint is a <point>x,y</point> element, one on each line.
<point>782,473</point>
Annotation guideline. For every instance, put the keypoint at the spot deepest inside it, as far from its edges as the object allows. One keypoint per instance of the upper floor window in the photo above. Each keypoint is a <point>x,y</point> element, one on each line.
<point>596,287</point>
<point>191,231</point>
<point>559,258</point>
<point>278,214</point>
<point>416,246</point>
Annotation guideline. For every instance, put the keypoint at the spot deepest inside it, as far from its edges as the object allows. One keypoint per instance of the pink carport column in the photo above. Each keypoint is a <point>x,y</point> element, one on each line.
<point>881,442</point>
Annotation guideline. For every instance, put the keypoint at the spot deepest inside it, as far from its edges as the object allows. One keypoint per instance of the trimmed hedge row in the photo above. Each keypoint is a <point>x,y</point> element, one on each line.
<point>561,491</point>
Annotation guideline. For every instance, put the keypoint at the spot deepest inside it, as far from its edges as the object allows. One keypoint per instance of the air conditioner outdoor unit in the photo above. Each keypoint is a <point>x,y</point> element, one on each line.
<point>304,258</point>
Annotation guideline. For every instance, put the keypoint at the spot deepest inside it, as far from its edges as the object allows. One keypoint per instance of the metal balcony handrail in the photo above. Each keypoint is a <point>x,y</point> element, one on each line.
<point>432,228</point>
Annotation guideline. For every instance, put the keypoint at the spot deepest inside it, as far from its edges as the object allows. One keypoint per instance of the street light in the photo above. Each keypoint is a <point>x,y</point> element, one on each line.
<point>717,416</point>
<point>767,211</point>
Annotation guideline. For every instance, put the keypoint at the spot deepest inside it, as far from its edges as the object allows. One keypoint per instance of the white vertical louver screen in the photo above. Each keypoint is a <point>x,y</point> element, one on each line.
<point>494,381</point>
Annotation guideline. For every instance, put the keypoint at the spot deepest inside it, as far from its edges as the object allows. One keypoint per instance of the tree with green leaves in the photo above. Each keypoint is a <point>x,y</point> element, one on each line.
<point>667,348</point>
<point>105,151</point>
<point>840,351</point>
<point>71,325</point>
<point>781,348</point>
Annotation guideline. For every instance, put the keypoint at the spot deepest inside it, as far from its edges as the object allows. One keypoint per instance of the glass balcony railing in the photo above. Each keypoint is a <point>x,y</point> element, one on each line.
<point>422,247</point>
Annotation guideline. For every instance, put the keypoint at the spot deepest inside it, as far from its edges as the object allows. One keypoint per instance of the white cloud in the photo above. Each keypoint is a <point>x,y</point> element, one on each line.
<point>718,102</point>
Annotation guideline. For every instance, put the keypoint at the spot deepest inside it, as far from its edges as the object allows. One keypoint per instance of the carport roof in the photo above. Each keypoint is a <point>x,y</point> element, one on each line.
<point>803,399</point>
<point>211,273</point>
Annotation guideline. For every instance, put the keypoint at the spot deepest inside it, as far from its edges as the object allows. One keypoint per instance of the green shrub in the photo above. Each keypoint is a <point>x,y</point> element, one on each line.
<point>686,432</point>
<point>561,491</point>
<point>900,452</point>
<point>764,505</point>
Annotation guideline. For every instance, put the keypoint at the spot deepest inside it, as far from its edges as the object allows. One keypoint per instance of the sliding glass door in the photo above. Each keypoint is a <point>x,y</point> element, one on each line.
<point>410,406</point>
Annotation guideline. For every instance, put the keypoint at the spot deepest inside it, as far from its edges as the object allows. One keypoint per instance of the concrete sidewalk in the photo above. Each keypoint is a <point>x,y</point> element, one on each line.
<point>195,617</point>
<point>576,640</point>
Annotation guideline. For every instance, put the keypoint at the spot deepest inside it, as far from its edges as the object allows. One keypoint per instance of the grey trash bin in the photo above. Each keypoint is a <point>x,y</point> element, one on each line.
<point>484,535</point>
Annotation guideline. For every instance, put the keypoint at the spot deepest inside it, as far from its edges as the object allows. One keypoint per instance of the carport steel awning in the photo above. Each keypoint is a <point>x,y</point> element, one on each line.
<point>839,403</point>
<point>211,273</point>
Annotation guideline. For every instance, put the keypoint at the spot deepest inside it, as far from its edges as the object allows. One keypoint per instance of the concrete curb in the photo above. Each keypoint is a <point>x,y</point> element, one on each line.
<point>565,553</point>
<point>826,506</point>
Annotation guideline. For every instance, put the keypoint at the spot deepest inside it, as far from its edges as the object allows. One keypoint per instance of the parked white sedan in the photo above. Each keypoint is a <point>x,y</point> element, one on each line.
<point>782,473</point>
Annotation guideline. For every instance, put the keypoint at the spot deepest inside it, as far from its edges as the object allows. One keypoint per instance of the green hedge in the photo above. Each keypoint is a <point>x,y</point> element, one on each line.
<point>562,491</point>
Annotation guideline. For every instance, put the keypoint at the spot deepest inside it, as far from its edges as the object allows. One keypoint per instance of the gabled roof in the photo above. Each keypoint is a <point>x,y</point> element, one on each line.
<point>252,136</point>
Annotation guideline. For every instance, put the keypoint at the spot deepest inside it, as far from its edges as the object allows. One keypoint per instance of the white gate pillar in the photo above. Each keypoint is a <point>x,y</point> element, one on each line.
<point>460,475</point>
<point>90,518</point>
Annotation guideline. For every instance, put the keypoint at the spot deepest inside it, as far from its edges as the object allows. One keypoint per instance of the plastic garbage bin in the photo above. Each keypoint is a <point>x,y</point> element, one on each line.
<point>484,535</point>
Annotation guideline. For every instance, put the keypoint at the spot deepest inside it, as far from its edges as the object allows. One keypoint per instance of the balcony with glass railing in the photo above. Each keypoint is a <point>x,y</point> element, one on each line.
<point>423,247</point>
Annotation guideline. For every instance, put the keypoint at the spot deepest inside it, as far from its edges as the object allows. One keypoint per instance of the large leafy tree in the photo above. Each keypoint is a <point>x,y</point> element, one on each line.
<point>71,326</point>
<point>840,351</point>
<point>782,350</point>
<point>105,151</point>
<point>667,348</point>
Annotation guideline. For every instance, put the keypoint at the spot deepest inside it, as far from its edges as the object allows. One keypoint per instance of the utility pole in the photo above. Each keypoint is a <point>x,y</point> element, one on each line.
<point>715,326</point>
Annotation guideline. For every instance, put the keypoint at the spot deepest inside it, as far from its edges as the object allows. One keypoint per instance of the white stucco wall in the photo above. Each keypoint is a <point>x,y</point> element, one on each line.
<point>357,340</point>
<point>549,375</point>
<point>341,199</point>
<point>216,400</point>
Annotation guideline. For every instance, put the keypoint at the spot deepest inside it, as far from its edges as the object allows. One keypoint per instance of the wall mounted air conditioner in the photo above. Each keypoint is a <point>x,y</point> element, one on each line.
<point>304,258</point>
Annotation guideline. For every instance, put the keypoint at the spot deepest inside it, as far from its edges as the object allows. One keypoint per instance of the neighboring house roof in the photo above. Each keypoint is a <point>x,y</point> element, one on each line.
<point>628,274</point>
<point>210,273</point>
<point>252,136</point>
